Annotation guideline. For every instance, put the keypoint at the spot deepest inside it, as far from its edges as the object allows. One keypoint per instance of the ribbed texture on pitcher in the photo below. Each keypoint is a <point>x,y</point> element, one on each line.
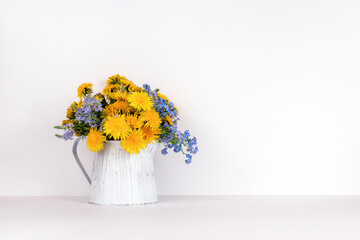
<point>120,178</point>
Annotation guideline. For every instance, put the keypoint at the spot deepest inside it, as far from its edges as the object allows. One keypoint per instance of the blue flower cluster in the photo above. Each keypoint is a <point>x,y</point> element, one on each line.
<point>162,106</point>
<point>69,132</point>
<point>170,136</point>
<point>89,112</point>
<point>184,143</point>
<point>181,142</point>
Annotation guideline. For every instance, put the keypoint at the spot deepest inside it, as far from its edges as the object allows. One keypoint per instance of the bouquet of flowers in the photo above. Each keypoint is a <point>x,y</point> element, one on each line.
<point>137,116</point>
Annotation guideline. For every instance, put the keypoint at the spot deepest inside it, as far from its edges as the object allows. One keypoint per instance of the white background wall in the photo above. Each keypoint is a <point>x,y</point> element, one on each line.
<point>270,88</point>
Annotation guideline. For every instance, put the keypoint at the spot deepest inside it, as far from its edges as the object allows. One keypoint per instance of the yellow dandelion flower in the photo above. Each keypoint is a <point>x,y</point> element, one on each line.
<point>134,121</point>
<point>169,120</point>
<point>117,127</point>
<point>150,135</point>
<point>100,97</point>
<point>84,89</point>
<point>65,122</point>
<point>131,86</point>
<point>111,112</point>
<point>116,108</point>
<point>152,119</point>
<point>136,89</point>
<point>140,101</point>
<point>121,105</point>
<point>118,95</point>
<point>112,95</point>
<point>134,143</point>
<point>116,79</point>
<point>68,121</point>
<point>109,88</point>
<point>123,95</point>
<point>95,140</point>
<point>70,113</point>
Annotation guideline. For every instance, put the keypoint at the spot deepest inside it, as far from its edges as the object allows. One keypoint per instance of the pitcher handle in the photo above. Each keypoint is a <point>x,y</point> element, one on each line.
<point>74,150</point>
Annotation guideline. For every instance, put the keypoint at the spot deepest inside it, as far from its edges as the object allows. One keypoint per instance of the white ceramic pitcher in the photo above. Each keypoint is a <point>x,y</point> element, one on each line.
<point>121,178</point>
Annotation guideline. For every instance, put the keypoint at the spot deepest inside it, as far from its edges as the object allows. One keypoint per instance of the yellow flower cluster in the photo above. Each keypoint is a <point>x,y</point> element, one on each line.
<point>95,140</point>
<point>84,89</point>
<point>128,115</point>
